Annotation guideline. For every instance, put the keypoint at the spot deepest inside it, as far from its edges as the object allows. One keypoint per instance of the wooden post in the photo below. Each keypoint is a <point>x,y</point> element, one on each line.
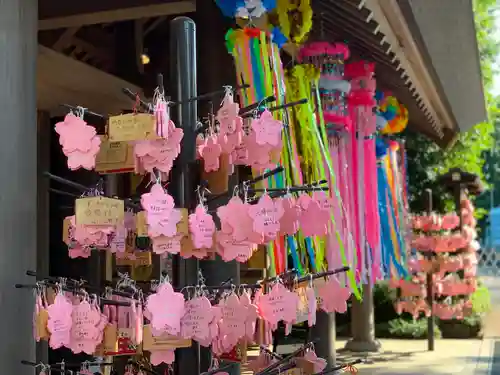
<point>44,129</point>
<point>18,185</point>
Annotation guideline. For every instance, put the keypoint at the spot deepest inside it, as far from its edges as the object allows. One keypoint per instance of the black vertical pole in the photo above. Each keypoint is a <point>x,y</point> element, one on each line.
<point>212,53</point>
<point>457,196</point>
<point>183,79</point>
<point>430,289</point>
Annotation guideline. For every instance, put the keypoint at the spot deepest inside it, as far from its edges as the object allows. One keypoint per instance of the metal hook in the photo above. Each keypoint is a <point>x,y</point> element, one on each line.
<point>228,94</point>
<point>201,279</point>
<point>236,190</point>
<point>164,278</point>
<point>80,112</point>
<point>198,193</point>
<point>246,186</point>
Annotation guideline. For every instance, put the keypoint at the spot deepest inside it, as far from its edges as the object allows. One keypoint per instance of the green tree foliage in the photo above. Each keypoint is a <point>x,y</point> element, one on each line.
<point>425,159</point>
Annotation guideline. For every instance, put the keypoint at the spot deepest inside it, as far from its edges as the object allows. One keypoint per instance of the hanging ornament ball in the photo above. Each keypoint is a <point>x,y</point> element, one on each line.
<point>396,115</point>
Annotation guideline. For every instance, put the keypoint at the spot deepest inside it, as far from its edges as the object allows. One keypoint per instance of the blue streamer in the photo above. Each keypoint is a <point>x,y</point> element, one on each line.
<point>310,251</point>
<point>384,195</point>
<point>293,250</point>
<point>257,79</point>
<point>385,230</point>
<point>269,4</point>
<point>278,37</point>
<point>230,7</point>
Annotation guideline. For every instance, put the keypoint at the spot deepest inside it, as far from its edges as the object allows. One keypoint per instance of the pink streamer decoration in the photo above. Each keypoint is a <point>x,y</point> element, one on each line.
<point>372,215</point>
<point>361,103</point>
<point>353,196</point>
<point>333,247</point>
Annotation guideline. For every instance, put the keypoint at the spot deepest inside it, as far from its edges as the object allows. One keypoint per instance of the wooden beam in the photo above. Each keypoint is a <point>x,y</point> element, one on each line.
<point>125,14</point>
<point>153,25</point>
<point>61,79</point>
<point>99,53</point>
<point>65,39</point>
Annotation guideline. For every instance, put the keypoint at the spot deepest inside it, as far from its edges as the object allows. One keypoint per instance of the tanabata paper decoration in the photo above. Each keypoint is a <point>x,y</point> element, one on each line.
<point>222,139</point>
<point>229,249</point>
<point>165,317</point>
<point>329,59</point>
<point>361,147</point>
<point>233,325</point>
<point>395,114</point>
<point>314,219</point>
<point>162,356</point>
<point>162,219</point>
<point>333,297</point>
<point>267,129</point>
<point>278,37</point>
<point>235,219</point>
<point>195,323</point>
<point>266,215</point>
<point>202,228</point>
<point>129,370</point>
<point>245,8</point>
<point>40,314</point>
<point>251,315</point>
<point>167,245</point>
<point>165,127</point>
<point>393,207</point>
<point>260,156</point>
<point>446,251</point>
<point>321,156</point>
<point>85,370</point>
<point>158,154</point>
<point>435,222</point>
<point>289,222</point>
<point>248,46</point>
<point>257,60</point>
<point>228,115</point>
<point>80,142</point>
<point>82,238</point>
<point>137,318</point>
<point>279,305</point>
<point>210,151</point>
<point>325,80</point>
<point>295,19</point>
<point>60,322</point>
<point>311,306</point>
<point>118,240</point>
<point>319,364</point>
<point>87,326</point>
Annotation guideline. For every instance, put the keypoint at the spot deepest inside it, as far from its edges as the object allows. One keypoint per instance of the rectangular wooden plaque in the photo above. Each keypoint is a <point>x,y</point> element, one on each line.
<point>132,127</point>
<point>99,211</point>
<point>115,157</point>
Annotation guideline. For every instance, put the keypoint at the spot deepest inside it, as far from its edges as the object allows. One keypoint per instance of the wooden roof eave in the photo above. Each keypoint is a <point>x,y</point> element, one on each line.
<point>63,80</point>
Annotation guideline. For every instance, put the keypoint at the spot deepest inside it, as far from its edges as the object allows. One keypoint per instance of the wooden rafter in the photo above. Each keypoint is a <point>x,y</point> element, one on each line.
<point>154,24</point>
<point>58,75</point>
<point>115,15</point>
<point>65,39</point>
